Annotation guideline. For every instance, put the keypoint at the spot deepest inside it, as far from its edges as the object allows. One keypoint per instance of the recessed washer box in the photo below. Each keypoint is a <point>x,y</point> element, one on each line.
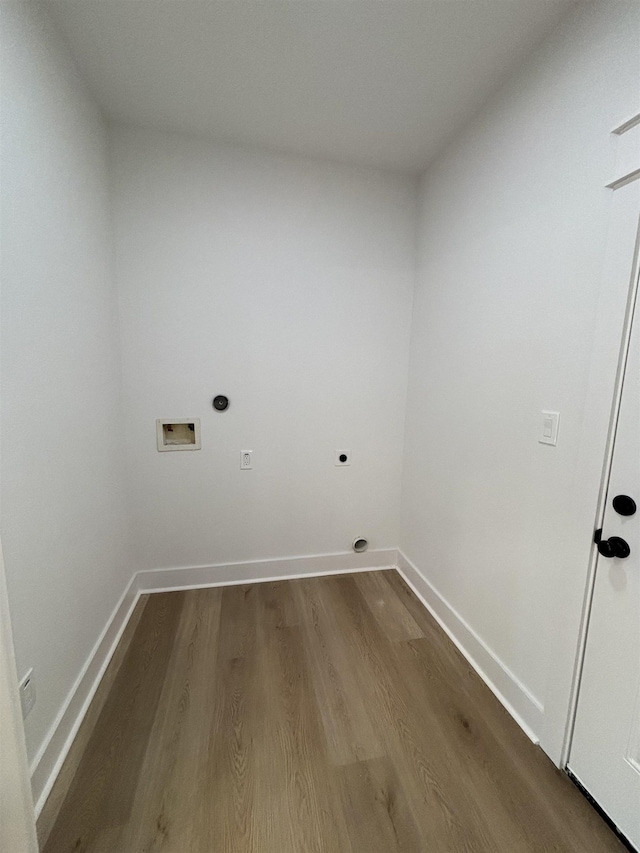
<point>178,435</point>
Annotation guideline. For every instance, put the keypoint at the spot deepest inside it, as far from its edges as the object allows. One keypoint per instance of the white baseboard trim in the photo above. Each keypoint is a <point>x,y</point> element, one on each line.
<point>51,755</point>
<point>227,574</point>
<point>519,702</point>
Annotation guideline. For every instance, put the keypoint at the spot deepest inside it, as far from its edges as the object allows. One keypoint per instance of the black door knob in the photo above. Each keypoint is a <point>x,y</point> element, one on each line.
<point>624,505</point>
<point>614,546</point>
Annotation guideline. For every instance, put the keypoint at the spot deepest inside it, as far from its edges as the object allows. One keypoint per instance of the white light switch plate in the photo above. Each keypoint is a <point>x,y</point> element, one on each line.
<point>549,428</point>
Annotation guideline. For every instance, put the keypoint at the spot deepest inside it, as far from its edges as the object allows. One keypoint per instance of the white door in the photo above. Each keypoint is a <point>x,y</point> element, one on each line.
<point>605,750</point>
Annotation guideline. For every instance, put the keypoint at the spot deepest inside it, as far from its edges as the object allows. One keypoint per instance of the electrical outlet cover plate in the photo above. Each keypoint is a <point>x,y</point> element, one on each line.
<point>339,461</point>
<point>245,460</point>
<point>549,428</point>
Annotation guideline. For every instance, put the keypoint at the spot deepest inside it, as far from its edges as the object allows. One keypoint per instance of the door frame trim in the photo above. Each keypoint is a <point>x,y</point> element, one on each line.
<point>18,826</point>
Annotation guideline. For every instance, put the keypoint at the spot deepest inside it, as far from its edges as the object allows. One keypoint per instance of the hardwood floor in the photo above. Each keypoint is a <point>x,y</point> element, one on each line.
<point>329,715</point>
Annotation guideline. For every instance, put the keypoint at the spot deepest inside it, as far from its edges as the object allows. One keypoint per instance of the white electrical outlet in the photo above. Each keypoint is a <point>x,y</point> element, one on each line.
<point>245,459</point>
<point>342,458</point>
<point>27,693</point>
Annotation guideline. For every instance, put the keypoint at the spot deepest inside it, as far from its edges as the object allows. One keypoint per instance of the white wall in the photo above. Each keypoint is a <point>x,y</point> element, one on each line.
<point>286,285</point>
<point>513,225</point>
<point>62,475</point>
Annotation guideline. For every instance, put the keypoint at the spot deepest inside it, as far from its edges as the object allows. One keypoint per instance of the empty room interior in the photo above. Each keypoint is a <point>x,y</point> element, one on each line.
<point>320,426</point>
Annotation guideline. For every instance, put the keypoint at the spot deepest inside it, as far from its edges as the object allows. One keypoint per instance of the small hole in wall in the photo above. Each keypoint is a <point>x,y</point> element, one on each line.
<point>178,434</point>
<point>360,545</point>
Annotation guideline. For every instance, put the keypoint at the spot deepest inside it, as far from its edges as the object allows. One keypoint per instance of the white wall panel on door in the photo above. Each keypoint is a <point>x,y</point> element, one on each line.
<point>605,751</point>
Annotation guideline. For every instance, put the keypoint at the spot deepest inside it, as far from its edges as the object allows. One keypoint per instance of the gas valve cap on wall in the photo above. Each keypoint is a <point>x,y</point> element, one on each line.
<point>220,403</point>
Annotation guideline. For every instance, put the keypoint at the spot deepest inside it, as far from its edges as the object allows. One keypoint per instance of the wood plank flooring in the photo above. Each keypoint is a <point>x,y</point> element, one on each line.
<point>328,715</point>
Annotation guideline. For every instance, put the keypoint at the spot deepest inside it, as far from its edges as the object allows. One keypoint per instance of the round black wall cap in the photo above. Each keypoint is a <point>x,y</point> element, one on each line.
<point>220,403</point>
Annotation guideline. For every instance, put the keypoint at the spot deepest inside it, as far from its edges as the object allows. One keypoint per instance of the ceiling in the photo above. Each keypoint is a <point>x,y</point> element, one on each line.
<point>377,82</point>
